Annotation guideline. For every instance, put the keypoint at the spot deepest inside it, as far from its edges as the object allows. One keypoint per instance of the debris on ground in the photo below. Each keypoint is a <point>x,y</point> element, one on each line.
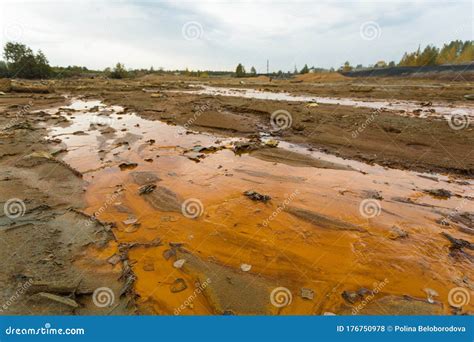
<point>271,143</point>
<point>255,196</point>
<point>397,233</point>
<point>430,294</point>
<point>355,296</point>
<point>127,165</point>
<point>439,193</point>
<point>373,194</point>
<point>307,293</point>
<point>60,299</point>
<point>179,263</point>
<point>245,267</point>
<point>178,285</point>
<point>146,189</point>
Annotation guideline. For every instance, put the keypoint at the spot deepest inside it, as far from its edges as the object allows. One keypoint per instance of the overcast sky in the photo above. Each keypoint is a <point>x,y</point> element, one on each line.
<point>219,34</point>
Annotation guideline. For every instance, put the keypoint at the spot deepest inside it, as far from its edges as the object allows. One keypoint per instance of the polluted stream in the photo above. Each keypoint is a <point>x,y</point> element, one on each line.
<point>405,108</point>
<point>210,230</point>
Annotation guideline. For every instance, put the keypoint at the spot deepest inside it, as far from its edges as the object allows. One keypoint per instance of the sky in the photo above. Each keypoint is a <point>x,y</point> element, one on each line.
<point>217,35</point>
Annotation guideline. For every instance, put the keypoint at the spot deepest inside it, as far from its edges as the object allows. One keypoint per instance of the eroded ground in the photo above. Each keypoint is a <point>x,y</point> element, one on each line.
<point>188,203</point>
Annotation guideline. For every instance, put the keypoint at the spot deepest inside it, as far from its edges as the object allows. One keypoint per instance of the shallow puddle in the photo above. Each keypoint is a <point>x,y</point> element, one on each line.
<point>324,231</point>
<point>403,107</point>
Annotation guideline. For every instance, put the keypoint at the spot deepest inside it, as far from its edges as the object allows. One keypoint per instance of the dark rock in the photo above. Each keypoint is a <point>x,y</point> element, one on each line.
<point>255,196</point>
<point>439,193</point>
<point>146,189</point>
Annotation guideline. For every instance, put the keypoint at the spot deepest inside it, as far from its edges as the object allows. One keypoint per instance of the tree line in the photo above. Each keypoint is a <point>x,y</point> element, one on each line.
<point>21,62</point>
<point>455,52</point>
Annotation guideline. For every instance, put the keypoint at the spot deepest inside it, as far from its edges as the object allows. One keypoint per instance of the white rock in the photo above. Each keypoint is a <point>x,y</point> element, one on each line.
<point>245,267</point>
<point>179,263</point>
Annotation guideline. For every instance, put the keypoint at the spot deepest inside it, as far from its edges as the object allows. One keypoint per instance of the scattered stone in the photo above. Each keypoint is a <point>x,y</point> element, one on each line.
<point>430,294</point>
<point>146,189</point>
<point>179,263</point>
<point>469,97</point>
<point>178,285</point>
<point>255,196</point>
<point>245,267</point>
<point>271,143</point>
<point>458,243</point>
<point>144,177</point>
<point>127,165</point>
<point>373,194</point>
<point>355,296</point>
<point>130,221</point>
<point>244,146</point>
<point>60,299</point>
<point>169,253</point>
<point>307,293</point>
<point>327,313</point>
<point>397,233</point>
<point>439,193</point>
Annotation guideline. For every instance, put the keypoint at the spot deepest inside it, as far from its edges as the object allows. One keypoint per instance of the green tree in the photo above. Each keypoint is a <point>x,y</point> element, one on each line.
<point>467,53</point>
<point>119,71</point>
<point>42,68</point>
<point>240,71</point>
<point>305,69</point>
<point>23,63</point>
<point>428,56</point>
<point>3,69</point>
<point>253,71</point>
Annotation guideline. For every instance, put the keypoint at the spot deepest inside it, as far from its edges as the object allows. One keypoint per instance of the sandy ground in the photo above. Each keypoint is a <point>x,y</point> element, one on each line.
<point>132,173</point>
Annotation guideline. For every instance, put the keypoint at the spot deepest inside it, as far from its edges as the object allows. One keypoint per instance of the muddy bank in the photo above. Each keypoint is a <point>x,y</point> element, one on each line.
<point>44,235</point>
<point>383,136</point>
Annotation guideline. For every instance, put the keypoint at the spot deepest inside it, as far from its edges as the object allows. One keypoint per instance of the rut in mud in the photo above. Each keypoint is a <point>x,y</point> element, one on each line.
<point>217,225</point>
